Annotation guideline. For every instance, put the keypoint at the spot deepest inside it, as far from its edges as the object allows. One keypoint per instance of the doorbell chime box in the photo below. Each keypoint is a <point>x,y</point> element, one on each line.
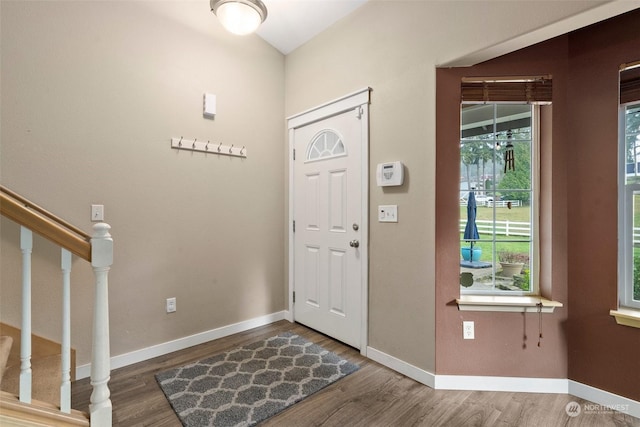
<point>390,174</point>
<point>209,105</point>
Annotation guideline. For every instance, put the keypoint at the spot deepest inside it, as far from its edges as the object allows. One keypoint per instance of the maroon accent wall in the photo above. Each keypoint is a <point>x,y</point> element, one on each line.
<point>601,353</point>
<point>505,343</point>
<point>578,218</point>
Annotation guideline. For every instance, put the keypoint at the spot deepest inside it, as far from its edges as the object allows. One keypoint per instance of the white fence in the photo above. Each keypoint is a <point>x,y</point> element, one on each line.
<point>514,228</point>
<point>503,203</point>
<point>503,228</point>
<point>491,203</point>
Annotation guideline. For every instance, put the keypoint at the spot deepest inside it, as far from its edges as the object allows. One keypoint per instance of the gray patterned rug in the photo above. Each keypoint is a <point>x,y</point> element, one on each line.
<point>250,384</point>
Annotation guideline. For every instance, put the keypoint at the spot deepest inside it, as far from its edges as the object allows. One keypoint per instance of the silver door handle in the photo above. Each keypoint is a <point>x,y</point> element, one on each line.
<point>354,243</point>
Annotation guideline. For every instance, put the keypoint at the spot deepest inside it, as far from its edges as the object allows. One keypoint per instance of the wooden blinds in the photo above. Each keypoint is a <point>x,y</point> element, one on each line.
<point>630,82</point>
<point>537,89</point>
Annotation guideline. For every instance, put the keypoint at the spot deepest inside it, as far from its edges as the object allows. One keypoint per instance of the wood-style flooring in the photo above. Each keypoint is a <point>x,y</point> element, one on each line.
<point>373,396</point>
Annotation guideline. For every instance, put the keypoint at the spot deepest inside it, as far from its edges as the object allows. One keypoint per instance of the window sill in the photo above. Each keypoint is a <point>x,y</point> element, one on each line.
<point>627,317</point>
<point>513,304</point>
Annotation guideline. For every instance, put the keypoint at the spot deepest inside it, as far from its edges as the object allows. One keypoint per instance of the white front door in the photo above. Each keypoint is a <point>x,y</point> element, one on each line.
<point>330,214</point>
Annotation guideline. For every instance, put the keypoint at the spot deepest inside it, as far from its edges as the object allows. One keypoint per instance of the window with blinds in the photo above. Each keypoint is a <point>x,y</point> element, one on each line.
<point>529,89</point>
<point>630,82</point>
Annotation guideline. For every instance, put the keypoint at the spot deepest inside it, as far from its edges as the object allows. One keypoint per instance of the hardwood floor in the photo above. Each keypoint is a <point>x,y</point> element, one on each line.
<point>373,396</point>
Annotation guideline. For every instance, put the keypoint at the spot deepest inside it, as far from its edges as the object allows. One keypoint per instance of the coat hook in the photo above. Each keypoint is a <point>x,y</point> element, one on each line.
<point>231,149</point>
<point>180,142</point>
<point>206,147</point>
<point>194,143</point>
<point>242,150</point>
<point>219,147</point>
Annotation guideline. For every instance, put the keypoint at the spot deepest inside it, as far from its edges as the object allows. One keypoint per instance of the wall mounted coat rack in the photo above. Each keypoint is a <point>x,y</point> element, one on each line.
<point>208,147</point>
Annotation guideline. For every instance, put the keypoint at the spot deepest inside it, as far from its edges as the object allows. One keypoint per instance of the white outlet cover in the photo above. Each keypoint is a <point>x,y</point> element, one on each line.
<point>171,305</point>
<point>468,332</point>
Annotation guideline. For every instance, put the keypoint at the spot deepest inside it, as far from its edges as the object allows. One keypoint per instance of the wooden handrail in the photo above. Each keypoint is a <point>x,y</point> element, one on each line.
<point>46,224</point>
<point>29,204</point>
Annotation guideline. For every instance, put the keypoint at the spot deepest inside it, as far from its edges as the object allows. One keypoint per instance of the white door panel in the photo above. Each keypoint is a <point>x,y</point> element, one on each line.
<point>329,215</point>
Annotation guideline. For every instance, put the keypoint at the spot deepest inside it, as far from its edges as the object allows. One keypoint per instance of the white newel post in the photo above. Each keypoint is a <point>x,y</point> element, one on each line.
<point>26,246</point>
<point>101,260</point>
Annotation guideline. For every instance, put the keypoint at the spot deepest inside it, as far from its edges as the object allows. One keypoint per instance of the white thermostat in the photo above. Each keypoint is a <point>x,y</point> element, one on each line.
<point>389,174</point>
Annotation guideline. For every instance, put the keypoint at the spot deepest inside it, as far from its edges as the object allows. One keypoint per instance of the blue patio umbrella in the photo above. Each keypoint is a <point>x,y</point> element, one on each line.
<point>471,229</point>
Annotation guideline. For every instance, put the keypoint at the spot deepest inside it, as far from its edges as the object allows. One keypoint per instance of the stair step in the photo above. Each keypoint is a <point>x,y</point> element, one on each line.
<point>15,413</point>
<point>45,379</point>
<point>45,366</point>
<point>5,350</point>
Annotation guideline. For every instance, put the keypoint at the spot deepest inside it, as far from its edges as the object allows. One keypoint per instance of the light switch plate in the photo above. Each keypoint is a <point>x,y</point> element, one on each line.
<point>388,213</point>
<point>97,213</point>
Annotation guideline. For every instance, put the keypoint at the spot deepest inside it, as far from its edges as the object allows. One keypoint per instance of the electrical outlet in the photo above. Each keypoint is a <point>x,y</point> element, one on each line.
<point>468,332</point>
<point>171,305</point>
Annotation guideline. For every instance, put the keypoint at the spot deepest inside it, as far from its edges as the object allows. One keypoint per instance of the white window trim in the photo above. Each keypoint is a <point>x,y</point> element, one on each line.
<point>626,317</point>
<point>628,312</point>
<point>513,304</point>
<point>535,215</point>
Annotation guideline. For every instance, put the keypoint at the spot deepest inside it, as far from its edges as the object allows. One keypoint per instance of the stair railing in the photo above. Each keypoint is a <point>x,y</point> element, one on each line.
<point>96,249</point>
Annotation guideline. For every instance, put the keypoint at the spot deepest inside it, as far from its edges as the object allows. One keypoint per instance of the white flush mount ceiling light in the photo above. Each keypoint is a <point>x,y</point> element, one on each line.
<point>239,16</point>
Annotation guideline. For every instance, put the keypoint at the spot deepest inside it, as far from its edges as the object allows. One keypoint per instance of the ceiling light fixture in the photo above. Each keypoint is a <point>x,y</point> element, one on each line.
<point>239,16</point>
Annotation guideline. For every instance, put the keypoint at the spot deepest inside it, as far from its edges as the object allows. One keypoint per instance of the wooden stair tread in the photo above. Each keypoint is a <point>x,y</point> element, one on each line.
<point>5,349</point>
<point>38,413</point>
<point>45,366</point>
<point>45,379</point>
<point>40,347</point>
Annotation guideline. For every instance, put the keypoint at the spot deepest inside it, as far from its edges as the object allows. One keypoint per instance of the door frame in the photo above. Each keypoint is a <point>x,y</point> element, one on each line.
<point>340,105</point>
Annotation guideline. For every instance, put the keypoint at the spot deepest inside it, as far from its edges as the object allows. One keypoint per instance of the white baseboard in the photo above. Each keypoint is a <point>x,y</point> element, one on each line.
<point>141,355</point>
<point>605,400</point>
<point>467,382</point>
<point>288,315</point>
<point>511,384</point>
<point>413,372</point>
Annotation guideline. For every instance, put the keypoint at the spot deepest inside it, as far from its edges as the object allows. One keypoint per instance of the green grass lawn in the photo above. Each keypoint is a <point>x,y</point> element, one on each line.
<point>517,214</point>
<point>487,247</point>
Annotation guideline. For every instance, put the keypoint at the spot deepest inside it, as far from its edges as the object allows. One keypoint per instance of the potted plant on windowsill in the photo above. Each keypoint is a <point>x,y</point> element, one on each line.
<point>511,262</point>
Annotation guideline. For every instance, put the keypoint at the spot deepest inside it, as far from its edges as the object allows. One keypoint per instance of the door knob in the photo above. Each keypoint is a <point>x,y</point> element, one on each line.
<point>354,243</point>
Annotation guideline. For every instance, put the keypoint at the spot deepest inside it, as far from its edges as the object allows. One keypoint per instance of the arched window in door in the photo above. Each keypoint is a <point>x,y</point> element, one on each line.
<point>324,145</point>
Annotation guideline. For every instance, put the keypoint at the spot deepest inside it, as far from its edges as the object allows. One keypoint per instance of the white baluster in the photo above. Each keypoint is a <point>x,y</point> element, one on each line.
<point>26,245</point>
<point>101,260</point>
<point>65,384</point>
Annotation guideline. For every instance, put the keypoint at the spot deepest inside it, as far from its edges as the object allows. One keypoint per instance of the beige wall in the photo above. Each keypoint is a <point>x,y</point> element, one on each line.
<point>394,47</point>
<point>92,92</point>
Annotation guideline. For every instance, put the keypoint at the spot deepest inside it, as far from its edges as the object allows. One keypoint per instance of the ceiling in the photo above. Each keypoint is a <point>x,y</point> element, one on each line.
<point>291,23</point>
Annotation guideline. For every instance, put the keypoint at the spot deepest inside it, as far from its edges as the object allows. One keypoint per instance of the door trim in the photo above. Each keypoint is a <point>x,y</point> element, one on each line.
<point>348,102</point>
